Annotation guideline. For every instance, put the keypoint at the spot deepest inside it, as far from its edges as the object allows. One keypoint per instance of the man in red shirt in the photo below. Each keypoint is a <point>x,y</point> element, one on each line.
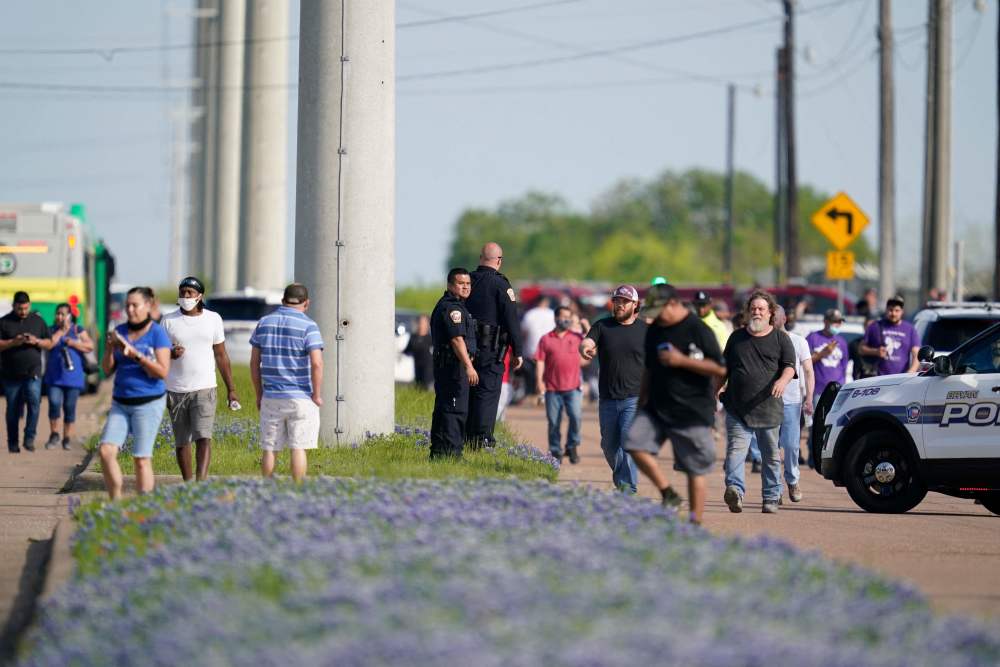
<point>557,375</point>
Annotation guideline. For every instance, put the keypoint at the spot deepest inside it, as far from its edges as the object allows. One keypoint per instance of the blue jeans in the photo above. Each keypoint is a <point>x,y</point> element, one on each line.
<point>555,402</point>
<point>18,394</point>
<point>754,449</point>
<point>62,403</point>
<point>738,442</point>
<point>791,431</point>
<point>616,417</point>
<point>142,422</point>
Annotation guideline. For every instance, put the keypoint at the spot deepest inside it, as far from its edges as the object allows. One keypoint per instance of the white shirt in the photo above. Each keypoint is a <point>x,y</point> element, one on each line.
<point>794,389</point>
<point>197,334</point>
<point>536,323</point>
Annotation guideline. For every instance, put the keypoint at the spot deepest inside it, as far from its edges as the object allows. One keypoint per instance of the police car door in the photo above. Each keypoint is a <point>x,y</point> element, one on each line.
<point>962,411</point>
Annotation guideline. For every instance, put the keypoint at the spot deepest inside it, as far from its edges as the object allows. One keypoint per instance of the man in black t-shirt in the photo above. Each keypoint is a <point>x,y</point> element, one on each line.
<point>617,342</point>
<point>23,336</point>
<point>760,362</point>
<point>677,397</point>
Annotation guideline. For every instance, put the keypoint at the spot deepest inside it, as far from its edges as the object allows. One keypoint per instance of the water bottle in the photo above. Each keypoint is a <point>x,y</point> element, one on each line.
<point>67,358</point>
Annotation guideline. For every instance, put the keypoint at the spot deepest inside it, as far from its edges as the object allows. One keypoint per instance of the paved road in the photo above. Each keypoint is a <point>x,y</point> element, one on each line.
<point>29,510</point>
<point>948,547</point>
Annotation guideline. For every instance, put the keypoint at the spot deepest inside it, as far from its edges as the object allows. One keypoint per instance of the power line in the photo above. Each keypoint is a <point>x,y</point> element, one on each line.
<point>484,14</point>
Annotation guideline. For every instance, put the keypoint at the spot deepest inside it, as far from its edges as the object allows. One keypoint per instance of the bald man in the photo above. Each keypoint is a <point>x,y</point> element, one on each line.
<point>494,307</point>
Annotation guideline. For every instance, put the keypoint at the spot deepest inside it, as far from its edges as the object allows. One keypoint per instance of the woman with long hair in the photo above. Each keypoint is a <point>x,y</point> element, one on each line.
<point>64,374</point>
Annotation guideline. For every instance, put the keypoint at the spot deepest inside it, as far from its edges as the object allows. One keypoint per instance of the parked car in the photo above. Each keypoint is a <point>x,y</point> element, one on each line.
<point>240,312</point>
<point>944,326</point>
<point>406,322</point>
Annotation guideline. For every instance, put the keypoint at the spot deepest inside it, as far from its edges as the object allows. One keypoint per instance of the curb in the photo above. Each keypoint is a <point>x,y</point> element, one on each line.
<point>61,565</point>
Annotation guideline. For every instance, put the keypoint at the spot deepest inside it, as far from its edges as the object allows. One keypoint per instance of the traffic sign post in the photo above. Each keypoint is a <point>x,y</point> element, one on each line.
<point>841,221</point>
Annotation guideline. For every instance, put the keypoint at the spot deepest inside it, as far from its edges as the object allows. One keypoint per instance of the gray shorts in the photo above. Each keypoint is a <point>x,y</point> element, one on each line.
<point>694,446</point>
<point>192,415</point>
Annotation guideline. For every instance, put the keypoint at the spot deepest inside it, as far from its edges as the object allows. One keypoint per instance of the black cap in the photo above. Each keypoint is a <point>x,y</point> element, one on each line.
<point>193,283</point>
<point>702,298</point>
<point>656,298</point>
<point>833,315</point>
<point>894,301</point>
<point>295,294</point>
<point>21,297</point>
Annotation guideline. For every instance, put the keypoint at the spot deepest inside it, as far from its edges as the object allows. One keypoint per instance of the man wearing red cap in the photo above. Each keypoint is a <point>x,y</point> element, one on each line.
<point>618,343</point>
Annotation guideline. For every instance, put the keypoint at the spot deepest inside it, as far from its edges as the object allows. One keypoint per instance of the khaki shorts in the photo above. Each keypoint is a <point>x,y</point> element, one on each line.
<point>291,423</point>
<point>192,414</point>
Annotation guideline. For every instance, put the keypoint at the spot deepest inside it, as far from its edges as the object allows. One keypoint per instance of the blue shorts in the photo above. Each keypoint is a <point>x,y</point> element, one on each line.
<point>141,421</point>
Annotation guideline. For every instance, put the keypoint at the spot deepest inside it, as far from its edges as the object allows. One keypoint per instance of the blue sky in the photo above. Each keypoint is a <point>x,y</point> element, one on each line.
<point>573,128</point>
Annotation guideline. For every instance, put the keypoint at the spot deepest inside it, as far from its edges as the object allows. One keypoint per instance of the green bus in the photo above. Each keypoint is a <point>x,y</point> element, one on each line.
<point>50,251</point>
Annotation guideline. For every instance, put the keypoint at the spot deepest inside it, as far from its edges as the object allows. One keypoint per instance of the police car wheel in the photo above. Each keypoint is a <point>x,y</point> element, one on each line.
<point>881,474</point>
<point>992,502</point>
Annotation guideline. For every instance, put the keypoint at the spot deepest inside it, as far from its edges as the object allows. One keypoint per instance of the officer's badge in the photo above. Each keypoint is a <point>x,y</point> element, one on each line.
<point>456,316</point>
<point>510,293</point>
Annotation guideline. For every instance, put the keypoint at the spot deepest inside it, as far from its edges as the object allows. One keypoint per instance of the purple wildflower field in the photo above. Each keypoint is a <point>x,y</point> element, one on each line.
<point>485,572</point>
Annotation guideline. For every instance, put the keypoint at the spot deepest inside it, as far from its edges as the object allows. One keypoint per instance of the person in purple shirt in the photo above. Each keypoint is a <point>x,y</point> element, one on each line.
<point>829,352</point>
<point>892,340</point>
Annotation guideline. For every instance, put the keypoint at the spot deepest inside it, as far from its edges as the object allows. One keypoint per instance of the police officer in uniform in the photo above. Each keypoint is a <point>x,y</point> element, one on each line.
<point>454,338</point>
<point>494,308</point>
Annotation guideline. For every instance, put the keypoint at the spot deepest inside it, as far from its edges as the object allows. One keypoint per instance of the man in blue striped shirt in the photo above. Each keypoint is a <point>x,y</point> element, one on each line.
<point>286,366</point>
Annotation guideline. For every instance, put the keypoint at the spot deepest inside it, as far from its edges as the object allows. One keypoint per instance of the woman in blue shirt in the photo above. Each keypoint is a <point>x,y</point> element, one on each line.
<point>64,375</point>
<point>140,351</point>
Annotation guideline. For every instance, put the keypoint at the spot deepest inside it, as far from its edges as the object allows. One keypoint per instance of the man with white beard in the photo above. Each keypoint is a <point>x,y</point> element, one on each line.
<point>760,362</point>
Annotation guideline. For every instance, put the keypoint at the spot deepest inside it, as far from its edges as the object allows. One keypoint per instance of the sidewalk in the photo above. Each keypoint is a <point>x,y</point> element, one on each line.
<point>948,547</point>
<point>29,509</point>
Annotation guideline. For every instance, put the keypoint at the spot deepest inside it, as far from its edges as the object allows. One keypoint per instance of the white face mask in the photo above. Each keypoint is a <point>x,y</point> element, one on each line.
<point>188,305</point>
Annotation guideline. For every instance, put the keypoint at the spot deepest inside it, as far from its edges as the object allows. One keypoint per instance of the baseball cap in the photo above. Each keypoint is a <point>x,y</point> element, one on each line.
<point>894,301</point>
<point>21,297</point>
<point>295,294</point>
<point>701,298</point>
<point>193,283</point>
<point>833,315</point>
<point>626,292</point>
<point>656,298</point>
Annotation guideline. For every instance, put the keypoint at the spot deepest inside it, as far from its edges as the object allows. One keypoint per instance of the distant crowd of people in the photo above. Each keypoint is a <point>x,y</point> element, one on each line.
<point>164,363</point>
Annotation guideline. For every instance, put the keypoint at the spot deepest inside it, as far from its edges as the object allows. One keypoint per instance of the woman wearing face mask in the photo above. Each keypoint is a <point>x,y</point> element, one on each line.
<point>199,346</point>
<point>139,351</point>
<point>64,375</point>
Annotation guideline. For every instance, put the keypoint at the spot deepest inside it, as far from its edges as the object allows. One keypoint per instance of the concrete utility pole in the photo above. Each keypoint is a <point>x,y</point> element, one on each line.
<point>929,153</point>
<point>204,238</point>
<point>779,168</point>
<point>727,268</point>
<point>264,193</point>
<point>191,261</point>
<point>344,231</point>
<point>794,269</point>
<point>941,232</point>
<point>996,194</point>
<point>887,157</point>
<point>224,266</point>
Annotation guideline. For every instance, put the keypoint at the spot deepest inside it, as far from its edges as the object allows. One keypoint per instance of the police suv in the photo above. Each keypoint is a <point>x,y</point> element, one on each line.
<point>891,439</point>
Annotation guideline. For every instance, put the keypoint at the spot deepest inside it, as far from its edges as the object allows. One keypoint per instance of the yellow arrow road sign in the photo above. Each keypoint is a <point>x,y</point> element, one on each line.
<point>840,220</point>
<point>840,265</point>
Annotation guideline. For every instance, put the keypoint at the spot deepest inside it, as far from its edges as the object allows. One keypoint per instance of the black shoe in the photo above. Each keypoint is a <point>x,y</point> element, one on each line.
<point>14,450</point>
<point>670,498</point>
<point>29,445</point>
<point>574,458</point>
<point>66,444</point>
<point>52,442</point>
<point>755,467</point>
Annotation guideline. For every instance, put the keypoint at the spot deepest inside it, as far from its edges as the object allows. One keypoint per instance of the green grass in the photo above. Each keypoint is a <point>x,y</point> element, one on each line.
<point>392,456</point>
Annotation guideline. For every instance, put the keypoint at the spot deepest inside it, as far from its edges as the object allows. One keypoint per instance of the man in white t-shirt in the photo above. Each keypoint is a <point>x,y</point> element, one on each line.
<point>802,385</point>
<point>199,346</point>
<point>537,322</point>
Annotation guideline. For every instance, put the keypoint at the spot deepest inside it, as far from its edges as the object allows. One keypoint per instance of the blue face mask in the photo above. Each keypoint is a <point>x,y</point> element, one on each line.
<point>834,330</point>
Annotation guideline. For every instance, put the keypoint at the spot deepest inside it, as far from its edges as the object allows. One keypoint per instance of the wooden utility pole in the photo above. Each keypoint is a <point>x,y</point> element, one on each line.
<point>779,168</point>
<point>887,159</point>
<point>727,269</point>
<point>794,265</point>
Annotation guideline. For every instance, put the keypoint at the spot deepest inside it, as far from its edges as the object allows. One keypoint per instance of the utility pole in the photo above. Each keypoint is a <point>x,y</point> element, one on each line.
<point>929,152</point>
<point>996,194</point>
<point>191,262</point>
<point>344,206</point>
<point>204,237</point>
<point>779,168</point>
<point>794,263</point>
<point>941,232</point>
<point>887,157</point>
<point>264,193</point>
<point>727,270</point>
<point>227,154</point>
